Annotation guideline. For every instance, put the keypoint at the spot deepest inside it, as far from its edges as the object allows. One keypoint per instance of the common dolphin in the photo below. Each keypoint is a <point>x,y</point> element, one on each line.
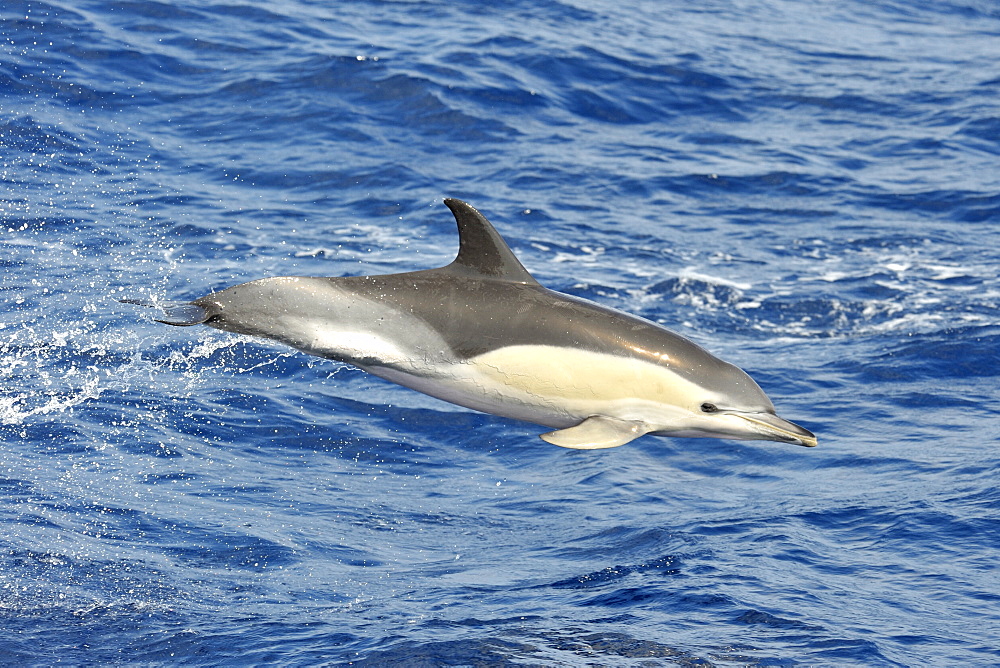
<point>482,333</point>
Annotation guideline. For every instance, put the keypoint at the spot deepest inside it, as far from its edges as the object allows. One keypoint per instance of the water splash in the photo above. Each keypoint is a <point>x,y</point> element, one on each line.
<point>33,385</point>
<point>46,372</point>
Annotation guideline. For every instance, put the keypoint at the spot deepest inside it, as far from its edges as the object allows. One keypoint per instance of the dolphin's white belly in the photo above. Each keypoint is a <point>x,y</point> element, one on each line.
<point>553,386</point>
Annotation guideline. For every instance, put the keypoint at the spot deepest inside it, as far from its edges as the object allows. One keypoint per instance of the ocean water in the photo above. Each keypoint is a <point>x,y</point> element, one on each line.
<point>809,191</point>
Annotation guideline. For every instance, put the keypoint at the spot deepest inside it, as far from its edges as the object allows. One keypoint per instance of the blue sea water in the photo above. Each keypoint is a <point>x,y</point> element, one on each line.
<point>811,191</point>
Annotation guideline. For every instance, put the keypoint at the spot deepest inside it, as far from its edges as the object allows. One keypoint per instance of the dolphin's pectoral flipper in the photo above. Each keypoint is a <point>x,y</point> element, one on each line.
<point>597,432</point>
<point>179,314</point>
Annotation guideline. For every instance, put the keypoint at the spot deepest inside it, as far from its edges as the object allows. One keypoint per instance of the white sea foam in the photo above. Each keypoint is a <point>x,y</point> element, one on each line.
<point>693,273</point>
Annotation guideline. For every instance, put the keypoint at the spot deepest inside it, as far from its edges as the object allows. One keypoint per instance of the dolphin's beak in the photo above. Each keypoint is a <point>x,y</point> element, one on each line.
<point>773,428</point>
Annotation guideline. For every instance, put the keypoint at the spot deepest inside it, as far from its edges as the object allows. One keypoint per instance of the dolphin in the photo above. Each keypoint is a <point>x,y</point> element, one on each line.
<point>482,333</point>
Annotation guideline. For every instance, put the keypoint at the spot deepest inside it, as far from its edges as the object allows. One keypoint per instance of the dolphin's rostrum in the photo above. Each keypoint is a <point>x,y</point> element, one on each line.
<point>482,333</point>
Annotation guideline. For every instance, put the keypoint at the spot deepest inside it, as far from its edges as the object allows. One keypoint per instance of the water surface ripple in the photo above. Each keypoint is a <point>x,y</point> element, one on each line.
<point>809,191</point>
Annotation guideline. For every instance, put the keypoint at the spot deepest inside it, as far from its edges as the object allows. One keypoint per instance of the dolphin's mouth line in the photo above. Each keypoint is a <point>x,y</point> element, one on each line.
<point>779,429</point>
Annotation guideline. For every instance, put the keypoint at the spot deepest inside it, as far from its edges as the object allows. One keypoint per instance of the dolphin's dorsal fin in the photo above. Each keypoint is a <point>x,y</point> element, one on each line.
<point>482,252</point>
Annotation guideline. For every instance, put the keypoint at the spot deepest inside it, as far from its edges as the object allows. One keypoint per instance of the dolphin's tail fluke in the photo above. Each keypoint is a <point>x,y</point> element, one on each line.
<point>180,314</point>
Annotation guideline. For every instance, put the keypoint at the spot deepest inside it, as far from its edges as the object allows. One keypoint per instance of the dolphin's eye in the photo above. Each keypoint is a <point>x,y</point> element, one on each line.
<point>709,408</point>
